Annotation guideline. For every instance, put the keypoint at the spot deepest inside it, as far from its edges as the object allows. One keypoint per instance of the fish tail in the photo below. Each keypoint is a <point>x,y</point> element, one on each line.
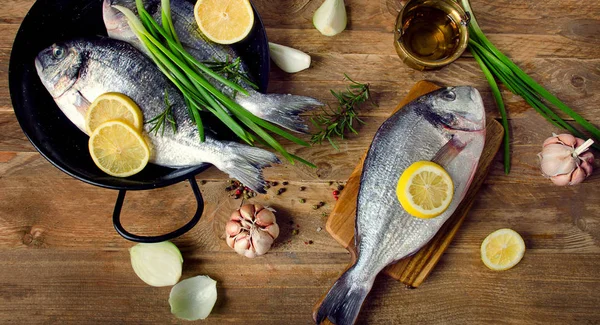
<point>344,300</point>
<point>245,164</point>
<point>280,109</point>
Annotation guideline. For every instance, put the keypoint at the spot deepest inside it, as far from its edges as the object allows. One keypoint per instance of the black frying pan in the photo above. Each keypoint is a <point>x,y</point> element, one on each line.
<point>63,144</point>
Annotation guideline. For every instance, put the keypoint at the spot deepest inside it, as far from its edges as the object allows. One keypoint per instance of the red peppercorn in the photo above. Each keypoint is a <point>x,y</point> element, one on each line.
<point>238,192</point>
<point>336,193</point>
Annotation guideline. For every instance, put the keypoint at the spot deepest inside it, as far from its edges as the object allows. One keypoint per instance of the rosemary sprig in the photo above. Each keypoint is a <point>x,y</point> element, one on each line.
<point>231,69</point>
<point>337,121</point>
<point>159,121</point>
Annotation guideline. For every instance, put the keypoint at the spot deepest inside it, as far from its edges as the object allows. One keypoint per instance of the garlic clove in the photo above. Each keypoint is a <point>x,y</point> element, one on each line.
<point>289,59</point>
<point>331,19</point>
<point>567,139</point>
<point>230,241</point>
<point>261,241</point>
<point>233,228</point>
<point>273,230</point>
<point>241,245</point>
<point>586,165</point>
<point>247,212</point>
<point>265,218</point>
<point>561,180</point>
<point>577,176</point>
<point>236,216</point>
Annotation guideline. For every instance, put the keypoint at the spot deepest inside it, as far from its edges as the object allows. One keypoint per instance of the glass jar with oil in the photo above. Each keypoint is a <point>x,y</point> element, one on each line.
<point>430,34</point>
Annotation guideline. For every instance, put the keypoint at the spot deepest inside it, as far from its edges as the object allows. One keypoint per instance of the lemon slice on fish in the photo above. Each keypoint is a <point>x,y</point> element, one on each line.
<point>425,189</point>
<point>118,149</point>
<point>224,21</point>
<point>113,106</point>
<point>502,249</point>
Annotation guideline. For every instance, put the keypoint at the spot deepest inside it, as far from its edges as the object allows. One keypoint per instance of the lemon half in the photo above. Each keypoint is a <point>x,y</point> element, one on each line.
<point>224,21</point>
<point>113,106</point>
<point>502,249</point>
<point>118,149</point>
<point>425,189</point>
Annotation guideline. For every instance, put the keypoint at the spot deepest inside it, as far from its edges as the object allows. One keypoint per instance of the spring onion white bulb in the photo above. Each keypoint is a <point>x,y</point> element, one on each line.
<point>330,19</point>
<point>289,59</point>
<point>158,264</point>
<point>193,298</point>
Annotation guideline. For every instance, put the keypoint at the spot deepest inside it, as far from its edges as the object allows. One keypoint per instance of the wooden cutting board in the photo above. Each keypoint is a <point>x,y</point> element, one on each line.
<point>413,270</point>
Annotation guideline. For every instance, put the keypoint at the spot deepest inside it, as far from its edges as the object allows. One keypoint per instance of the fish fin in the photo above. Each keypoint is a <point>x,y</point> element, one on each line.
<point>283,110</point>
<point>246,164</point>
<point>449,151</point>
<point>344,300</point>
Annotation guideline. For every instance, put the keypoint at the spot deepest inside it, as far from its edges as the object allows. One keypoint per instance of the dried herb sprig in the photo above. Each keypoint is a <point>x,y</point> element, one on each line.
<point>337,121</point>
<point>159,121</point>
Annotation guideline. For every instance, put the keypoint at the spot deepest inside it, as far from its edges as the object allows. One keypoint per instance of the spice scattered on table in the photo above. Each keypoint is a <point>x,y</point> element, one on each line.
<point>281,191</point>
<point>302,200</point>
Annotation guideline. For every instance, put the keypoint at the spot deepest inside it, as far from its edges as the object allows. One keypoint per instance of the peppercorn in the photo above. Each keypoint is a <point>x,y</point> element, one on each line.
<point>295,232</point>
<point>302,188</point>
<point>315,207</point>
<point>281,190</point>
<point>274,184</point>
<point>284,183</point>
<point>310,242</point>
<point>302,201</point>
<point>340,187</point>
<point>202,182</point>
<point>238,192</point>
<point>336,193</point>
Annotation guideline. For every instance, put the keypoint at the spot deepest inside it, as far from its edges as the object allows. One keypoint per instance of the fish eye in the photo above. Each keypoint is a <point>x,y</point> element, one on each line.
<point>58,52</point>
<point>449,95</point>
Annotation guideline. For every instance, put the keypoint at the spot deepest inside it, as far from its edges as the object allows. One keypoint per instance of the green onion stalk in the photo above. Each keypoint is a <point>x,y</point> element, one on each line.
<point>496,65</point>
<point>190,77</point>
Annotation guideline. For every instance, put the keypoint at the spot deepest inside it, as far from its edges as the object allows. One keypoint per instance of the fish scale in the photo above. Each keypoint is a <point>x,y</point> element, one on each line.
<point>423,130</point>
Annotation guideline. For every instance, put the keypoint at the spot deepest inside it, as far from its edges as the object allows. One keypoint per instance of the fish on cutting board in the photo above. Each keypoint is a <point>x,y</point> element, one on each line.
<point>447,125</point>
<point>281,109</point>
<point>77,72</point>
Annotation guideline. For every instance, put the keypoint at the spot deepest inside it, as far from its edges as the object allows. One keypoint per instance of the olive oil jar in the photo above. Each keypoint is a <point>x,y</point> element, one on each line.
<point>430,34</point>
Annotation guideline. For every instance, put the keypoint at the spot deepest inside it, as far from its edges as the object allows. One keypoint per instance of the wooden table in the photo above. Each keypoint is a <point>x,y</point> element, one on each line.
<point>62,262</point>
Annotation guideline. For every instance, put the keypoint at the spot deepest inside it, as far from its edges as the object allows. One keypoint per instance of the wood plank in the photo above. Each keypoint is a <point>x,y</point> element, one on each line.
<point>471,293</point>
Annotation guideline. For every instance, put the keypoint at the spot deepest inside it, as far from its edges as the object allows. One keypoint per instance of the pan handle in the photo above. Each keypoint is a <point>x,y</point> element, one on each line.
<point>156,239</point>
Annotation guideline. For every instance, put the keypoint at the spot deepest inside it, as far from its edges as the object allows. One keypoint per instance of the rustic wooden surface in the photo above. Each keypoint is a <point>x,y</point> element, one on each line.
<point>63,263</point>
<point>413,270</point>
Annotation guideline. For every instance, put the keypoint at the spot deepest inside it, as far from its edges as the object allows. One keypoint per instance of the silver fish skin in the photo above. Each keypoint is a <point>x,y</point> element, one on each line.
<point>447,126</point>
<point>77,72</point>
<point>281,109</point>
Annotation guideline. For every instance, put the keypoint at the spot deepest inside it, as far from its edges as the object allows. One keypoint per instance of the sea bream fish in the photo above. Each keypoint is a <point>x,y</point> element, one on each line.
<point>280,109</point>
<point>447,126</point>
<point>77,72</point>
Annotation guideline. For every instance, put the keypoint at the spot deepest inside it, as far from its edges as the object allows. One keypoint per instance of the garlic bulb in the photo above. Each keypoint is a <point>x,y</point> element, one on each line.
<point>330,19</point>
<point>565,159</point>
<point>289,59</point>
<point>251,230</point>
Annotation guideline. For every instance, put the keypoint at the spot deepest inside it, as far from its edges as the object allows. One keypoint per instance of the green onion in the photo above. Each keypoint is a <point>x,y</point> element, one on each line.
<point>495,64</point>
<point>191,78</point>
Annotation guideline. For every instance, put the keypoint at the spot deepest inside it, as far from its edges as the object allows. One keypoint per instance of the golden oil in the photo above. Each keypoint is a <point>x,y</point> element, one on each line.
<point>429,33</point>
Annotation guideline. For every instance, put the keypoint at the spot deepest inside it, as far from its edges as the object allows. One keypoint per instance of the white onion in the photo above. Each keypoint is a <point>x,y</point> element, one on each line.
<point>193,298</point>
<point>330,19</point>
<point>289,59</point>
<point>158,264</point>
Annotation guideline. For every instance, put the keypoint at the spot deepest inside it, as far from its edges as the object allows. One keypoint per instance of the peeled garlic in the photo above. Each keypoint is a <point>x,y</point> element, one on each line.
<point>565,159</point>
<point>289,59</point>
<point>330,19</point>
<point>251,230</point>
<point>158,264</point>
<point>193,298</point>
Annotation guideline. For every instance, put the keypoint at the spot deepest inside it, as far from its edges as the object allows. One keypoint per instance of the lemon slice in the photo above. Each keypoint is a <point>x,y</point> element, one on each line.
<point>425,189</point>
<point>224,21</point>
<point>113,106</point>
<point>502,249</point>
<point>118,149</point>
